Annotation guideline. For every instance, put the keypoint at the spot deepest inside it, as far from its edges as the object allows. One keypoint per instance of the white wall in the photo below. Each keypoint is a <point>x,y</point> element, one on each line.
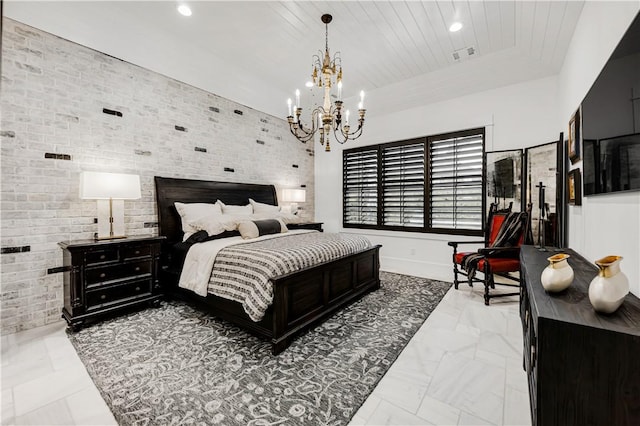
<point>517,116</point>
<point>604,224</point>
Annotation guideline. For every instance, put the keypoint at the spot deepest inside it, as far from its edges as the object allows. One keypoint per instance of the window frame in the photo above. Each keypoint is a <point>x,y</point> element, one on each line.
<point>426,228</point>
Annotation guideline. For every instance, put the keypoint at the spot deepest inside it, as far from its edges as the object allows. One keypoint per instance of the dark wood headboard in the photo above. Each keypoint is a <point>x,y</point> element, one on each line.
<point>170,190</point>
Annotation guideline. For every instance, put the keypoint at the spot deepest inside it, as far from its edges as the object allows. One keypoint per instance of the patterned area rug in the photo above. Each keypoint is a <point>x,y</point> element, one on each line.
<point>179,365</point>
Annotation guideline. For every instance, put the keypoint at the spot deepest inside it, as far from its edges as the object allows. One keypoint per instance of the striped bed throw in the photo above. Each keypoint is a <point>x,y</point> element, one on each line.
<point>242,272</point>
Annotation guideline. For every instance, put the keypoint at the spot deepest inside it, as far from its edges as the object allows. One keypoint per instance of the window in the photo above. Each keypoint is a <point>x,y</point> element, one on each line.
<point>429,184</point>
<point>403,184</point>
<point>360,192</point>
<point>455,176</point>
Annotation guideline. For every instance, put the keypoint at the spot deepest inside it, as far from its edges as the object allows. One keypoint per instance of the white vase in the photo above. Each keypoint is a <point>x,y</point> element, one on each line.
<point>558,275</point>
<point>608,290</point>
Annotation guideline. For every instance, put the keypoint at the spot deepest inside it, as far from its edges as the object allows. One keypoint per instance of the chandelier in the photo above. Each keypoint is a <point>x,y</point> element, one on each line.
<point>327,72</point>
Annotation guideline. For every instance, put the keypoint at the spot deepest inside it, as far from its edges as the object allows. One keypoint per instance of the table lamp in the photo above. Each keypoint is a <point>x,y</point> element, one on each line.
<point>294,196</point>
<point>110,189</point>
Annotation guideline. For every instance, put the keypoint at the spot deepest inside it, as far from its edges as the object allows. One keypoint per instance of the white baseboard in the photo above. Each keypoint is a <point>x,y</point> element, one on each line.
<point>425,269</point>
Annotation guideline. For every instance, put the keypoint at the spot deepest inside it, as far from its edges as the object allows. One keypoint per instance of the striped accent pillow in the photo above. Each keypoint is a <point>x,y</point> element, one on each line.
<point>256,228</point>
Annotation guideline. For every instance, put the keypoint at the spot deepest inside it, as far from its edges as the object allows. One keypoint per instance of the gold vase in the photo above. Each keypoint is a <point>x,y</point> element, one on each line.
<point>608,290</point>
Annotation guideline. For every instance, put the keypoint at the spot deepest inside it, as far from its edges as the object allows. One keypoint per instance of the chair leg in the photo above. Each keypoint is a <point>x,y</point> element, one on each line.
<point>455,267</point>
<point>488,282</point>
<point>455,276</point>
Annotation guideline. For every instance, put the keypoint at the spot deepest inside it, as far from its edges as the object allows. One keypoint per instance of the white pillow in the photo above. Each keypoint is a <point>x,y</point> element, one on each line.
<point>288,217</point>
<point>283,216</point>
<point>192,212</point>
<point>259,208</point>
<point>235,210</point>
<point>286,209</point>
<point>217,224</point>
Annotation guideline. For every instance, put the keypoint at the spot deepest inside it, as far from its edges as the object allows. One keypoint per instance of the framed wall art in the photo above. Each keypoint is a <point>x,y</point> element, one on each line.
<point>503,175</point>
<point>574,187</point>
<point>573,141</point>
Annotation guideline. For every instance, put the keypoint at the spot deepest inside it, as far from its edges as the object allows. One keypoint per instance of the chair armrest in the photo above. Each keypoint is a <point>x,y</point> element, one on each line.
<point>455,243</point>
<point>499,251</point>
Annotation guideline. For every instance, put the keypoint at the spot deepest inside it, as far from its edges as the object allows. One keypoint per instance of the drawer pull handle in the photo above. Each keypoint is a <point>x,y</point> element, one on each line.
<point>102,275</point>
<point>104,296</point>
<point>137,288</point>
<point>137,251</point>
<point>137,268</point>
<point>102,257</point>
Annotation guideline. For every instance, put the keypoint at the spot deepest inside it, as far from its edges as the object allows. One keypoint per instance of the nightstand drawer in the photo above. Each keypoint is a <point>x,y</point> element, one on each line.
<point>116,272</point>
<point>102,296</point>
<point>101,256</point>
<point>135,252</point>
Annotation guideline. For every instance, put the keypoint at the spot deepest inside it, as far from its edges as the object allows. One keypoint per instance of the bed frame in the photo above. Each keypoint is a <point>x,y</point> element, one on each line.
<point>300,298</point>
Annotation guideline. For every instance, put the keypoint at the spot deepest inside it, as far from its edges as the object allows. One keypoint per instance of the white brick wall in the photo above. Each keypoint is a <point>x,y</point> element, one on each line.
<point>52,95</point>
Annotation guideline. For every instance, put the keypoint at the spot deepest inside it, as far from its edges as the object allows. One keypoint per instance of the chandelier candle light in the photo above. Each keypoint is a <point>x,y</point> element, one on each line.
<point>327,72</point>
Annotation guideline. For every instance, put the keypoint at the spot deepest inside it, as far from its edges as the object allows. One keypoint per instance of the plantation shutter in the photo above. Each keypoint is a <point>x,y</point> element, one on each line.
<point>455,173</point>
<point>360,192</point>
<point>403,185</point>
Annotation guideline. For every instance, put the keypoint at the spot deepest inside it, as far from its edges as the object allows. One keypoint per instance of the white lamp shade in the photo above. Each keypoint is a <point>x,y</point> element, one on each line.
<point>101,186</point>
<point>294,195</point>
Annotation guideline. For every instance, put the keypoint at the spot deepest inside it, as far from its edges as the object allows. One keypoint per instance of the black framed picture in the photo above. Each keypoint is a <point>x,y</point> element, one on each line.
<point>573,141</point>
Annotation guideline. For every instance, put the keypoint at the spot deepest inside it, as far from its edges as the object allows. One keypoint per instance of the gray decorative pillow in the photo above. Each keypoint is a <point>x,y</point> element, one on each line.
<point>256,228</point>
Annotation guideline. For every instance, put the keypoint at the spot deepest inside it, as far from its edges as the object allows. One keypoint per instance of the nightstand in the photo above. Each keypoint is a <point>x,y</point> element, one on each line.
<point>306,225</point>
<point>104,276</point>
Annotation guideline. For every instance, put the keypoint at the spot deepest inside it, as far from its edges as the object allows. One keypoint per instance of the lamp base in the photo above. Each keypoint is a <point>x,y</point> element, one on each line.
<point>110,220</point>
<point>115,237</point>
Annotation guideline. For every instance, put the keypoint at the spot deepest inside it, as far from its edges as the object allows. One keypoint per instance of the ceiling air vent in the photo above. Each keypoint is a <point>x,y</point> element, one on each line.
<point>464,53</point>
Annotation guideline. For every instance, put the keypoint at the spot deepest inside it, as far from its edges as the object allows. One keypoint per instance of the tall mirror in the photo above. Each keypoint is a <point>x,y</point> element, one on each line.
<point>543,193</point>
<point>504,179</point>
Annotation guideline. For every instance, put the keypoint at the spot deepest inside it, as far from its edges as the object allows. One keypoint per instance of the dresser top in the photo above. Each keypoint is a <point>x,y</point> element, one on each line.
<point>572,305</point>
<point>78,244</point>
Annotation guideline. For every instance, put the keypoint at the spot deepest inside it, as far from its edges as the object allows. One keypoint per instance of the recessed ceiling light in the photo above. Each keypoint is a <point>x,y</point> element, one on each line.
<point>184,10</point>
<point>456,26</point>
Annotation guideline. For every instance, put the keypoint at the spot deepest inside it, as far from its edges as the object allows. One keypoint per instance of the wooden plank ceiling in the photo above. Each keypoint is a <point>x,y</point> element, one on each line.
<point>258,53</point>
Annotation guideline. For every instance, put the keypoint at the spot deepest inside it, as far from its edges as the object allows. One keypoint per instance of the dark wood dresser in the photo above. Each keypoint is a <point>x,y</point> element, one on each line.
<point>104,276</point>
<point>583,367</point>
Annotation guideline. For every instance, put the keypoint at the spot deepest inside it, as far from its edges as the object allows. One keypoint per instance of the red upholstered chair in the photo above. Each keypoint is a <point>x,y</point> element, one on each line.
<point>505,232</point>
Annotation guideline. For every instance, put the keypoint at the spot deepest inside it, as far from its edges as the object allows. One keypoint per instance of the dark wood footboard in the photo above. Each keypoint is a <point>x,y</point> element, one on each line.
<point>301,298</point>
<point>307,296</point>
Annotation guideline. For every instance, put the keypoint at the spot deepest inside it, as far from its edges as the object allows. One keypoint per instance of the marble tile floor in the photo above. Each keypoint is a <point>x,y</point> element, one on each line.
<point>463,367</point>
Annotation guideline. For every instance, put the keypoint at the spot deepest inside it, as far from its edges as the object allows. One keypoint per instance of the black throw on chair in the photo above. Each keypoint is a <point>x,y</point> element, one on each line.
<point>505,232</point>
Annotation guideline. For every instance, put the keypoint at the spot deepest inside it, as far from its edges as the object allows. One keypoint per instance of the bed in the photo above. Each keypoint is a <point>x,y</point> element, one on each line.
<point>300,298</point>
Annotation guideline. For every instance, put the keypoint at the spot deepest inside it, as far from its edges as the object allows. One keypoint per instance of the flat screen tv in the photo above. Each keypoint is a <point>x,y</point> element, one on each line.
<point>611,121</point>
<point>613,164</point>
